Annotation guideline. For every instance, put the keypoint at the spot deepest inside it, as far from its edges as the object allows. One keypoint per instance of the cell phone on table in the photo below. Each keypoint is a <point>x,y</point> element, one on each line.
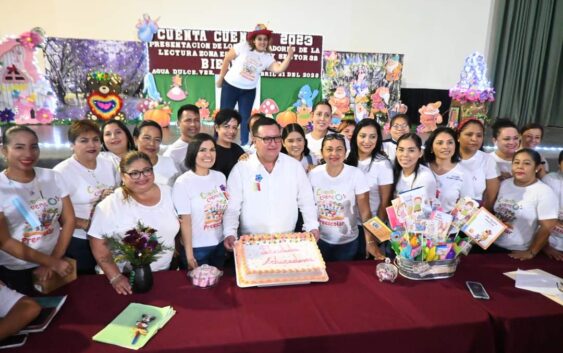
<point>477,290</point>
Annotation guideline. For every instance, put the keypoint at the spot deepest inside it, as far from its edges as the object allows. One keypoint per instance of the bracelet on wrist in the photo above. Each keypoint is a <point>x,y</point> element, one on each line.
<point>114,278</point>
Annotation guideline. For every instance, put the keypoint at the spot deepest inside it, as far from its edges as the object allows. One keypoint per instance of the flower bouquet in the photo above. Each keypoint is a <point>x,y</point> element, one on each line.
<point>139,247</point>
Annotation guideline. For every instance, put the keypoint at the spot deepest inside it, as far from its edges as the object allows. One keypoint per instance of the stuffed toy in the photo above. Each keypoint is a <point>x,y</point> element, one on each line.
<point>340,102</point>
<point>429,117</point>
<point>104,100</point>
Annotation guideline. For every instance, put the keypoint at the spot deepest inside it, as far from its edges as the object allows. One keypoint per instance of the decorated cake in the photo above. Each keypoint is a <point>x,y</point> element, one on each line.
<point>278,259</point>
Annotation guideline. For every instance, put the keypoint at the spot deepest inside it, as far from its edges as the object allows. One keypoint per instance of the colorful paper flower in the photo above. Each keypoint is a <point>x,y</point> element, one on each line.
<point>44,116</point>
<point>7,115</point>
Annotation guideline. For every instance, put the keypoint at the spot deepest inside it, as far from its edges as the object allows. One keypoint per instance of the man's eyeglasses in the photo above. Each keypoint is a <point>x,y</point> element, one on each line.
<point>270,139</point>
<point>136,174</point>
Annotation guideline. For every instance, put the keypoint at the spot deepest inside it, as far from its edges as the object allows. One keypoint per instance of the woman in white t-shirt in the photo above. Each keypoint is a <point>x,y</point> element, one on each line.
<point>453,182</point>
<point>506,139</point>
<point>89,178</point>
<point>33,204</point>
<point>338,188</point>
<point>139,199</point>
<point>117,140</point>
<point>554,248</point>
<point>200,198</point>
<point>248,60</point>
<point>398,126</point>
<point>322,116</point>
<point>480,165</point>
<point>527,206</point>
<point>294,144</point>
<point>531,136</point>
<point>409,172</point>
<point>148,137</point>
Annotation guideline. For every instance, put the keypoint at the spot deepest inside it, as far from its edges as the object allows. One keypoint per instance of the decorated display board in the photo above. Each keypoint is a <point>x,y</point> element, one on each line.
<point>362,84</point>
<point>184,63</point>
<point>25,95</point>
<point>78,69</point>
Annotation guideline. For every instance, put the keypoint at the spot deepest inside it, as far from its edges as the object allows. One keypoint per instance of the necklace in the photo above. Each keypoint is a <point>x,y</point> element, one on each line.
<point>35,186</point>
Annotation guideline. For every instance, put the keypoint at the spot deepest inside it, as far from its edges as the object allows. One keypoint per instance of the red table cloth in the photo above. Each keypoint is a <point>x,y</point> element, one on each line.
<point>523,321</point>
<point>352,312</point>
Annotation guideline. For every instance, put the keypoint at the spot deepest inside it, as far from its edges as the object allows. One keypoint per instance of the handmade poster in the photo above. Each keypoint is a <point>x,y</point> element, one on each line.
<point>415,201</point>
<point>444,223</point>
<point>378,228</point>
<point>462,212</point>
<point>484,228</point>
<point>366,84</point>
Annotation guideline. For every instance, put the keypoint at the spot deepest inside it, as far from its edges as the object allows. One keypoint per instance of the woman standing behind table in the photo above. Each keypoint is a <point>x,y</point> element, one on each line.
<point>294,144</point>
<point>398,126</point>
<point>453,182</point>
<point>34,203</point>
<point>227,123</point>
<point>554,248</point>
<point>148,137</point>
<point>531,136</point>
<point>200,197</point>
<point>322,116</point>
<point>338,188</point>
<point>408,171</point>
<point>248,60</point>
<point>89,178</point>
<point>527,206</point>
<point>480,165</point>
<point>138,199</point>
<point>506,139</point>
<point>116,141</point>
<point>367,154</point>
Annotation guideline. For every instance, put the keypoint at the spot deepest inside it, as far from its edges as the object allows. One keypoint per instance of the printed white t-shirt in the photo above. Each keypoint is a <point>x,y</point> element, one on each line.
<point>424,177</point>
<point>482,167</point>
<point>520,208</point>
<point>42,198</point>
<point>85,186</point>
<point>247,66</point>
<point>335,198</point>
<point>452,186</point>
<point>204,198</point>
<point>555,181</point>
<point>115,215</point>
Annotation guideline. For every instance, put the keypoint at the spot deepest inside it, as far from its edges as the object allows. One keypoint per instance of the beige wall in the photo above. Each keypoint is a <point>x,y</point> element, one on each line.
<point>434,35</point>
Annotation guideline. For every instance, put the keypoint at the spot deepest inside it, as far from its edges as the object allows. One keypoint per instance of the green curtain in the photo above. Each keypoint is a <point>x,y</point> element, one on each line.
<point>527,61</point>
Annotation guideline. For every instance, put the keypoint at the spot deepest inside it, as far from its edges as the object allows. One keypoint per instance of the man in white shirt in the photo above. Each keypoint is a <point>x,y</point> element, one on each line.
<point>267,189</point>
<point>189,125</point>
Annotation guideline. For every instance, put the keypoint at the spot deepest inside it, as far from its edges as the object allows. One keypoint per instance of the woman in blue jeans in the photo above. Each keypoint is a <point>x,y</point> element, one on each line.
<point>248,60</point>
<point>200,198</point>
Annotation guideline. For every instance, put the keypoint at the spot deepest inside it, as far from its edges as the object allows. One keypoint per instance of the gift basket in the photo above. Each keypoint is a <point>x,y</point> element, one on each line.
<point>428,242</point>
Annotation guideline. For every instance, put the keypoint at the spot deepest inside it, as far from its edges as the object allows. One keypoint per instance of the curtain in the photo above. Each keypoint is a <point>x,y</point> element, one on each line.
<point>527,61</point>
